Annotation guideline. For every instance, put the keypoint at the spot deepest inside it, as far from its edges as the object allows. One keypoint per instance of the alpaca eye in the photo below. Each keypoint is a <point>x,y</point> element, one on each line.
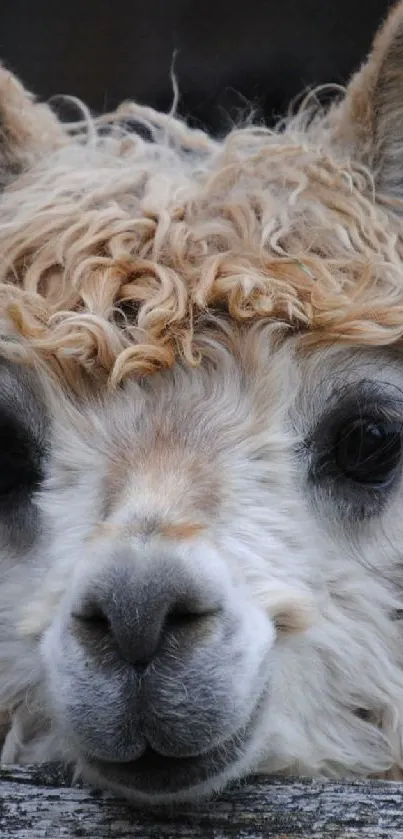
<point>19,462</point>
<point>369,451</point>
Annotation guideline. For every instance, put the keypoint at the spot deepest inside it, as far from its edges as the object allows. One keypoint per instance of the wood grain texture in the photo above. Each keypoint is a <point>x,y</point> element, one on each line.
<point>41,803</point>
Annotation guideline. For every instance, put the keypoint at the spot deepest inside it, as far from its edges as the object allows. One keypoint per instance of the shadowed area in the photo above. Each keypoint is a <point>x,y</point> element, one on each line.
<point>227,54</point>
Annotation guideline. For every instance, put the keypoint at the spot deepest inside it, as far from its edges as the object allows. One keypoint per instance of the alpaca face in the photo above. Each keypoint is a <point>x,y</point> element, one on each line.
<point>201,569</point>
<point>194,604</point>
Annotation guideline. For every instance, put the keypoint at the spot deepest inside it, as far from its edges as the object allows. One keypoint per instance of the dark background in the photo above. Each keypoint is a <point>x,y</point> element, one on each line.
<point>229,52</point>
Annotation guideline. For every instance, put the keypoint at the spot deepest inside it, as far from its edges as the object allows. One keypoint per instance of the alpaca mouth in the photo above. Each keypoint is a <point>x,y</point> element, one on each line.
<point>156,775</point>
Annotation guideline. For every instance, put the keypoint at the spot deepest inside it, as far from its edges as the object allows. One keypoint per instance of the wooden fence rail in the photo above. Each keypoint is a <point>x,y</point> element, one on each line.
<point>41,803</point>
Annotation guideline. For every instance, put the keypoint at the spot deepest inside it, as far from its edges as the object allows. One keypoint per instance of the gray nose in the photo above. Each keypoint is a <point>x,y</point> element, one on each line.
<point>137,609</point>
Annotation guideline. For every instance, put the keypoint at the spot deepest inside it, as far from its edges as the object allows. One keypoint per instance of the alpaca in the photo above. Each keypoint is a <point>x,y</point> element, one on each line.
<point>201,396</point>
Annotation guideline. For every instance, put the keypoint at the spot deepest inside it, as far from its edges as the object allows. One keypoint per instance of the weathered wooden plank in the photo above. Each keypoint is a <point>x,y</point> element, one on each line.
<point>40,803</point>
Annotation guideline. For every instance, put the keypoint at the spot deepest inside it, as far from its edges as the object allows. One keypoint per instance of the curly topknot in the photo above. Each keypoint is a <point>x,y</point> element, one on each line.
<point>118,248</point>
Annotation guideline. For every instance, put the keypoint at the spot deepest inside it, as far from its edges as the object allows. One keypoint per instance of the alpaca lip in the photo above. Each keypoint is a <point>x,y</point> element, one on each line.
<point>155,774</point>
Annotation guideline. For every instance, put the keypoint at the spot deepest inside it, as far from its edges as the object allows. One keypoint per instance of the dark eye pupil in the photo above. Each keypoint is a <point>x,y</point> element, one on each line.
<point>368,452</point>
<point>19,471</point>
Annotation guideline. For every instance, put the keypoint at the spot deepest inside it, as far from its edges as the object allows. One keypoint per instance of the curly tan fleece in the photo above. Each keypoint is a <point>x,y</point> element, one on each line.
<point>117,252</point>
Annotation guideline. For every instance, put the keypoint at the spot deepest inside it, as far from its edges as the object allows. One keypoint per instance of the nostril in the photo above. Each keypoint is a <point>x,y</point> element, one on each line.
<point>136,617</point>
<point>180,616</point>
<point>92,616</point>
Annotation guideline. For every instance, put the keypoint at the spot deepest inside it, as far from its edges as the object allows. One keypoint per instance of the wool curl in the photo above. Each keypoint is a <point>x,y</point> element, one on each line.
<point>120,248</point>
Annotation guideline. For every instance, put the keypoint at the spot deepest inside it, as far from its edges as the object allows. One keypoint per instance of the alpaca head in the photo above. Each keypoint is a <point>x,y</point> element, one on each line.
<point>201,416</point>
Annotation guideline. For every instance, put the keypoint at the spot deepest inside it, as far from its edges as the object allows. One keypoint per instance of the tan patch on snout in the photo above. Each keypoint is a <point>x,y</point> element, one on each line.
<point>291,610</point>
<point>182,530</point>
<point>165,480</point>
<point>170,530</point>
<point>292,618</point>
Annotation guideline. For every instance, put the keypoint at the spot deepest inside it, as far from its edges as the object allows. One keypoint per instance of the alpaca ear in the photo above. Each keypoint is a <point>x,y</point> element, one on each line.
<point>370,119</point>
<point>28,129</point>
